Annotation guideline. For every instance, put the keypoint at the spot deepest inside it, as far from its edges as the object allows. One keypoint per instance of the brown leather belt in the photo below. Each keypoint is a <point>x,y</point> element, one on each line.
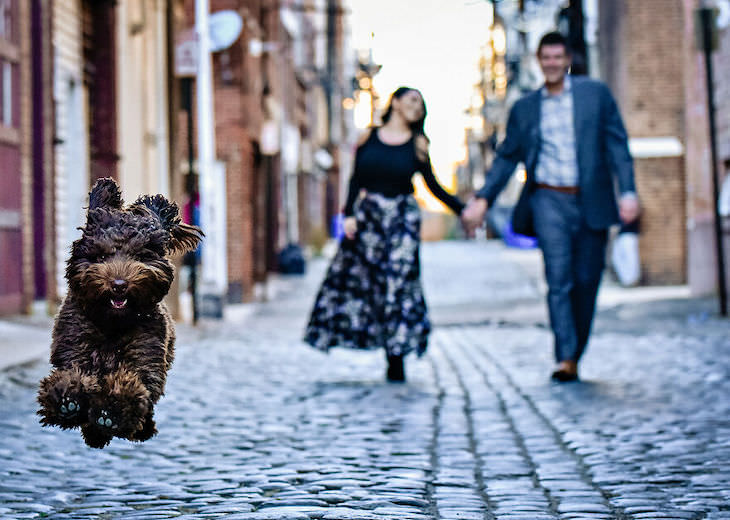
<point>571,190</point>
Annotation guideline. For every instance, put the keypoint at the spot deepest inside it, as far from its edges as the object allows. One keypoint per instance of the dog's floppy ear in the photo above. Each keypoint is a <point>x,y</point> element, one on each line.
<point>183,237</point>
<point>105,194</point>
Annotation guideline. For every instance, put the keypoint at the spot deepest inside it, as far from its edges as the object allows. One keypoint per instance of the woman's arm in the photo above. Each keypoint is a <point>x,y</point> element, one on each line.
<point>424,166</point>
<point>356,180</point>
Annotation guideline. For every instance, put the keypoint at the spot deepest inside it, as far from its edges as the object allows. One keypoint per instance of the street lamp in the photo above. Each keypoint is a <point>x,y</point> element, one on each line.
<point>366,71</point>
<point>499,38</point>
<point>706,20</point>
<point>497,51</point>
<point>571,22</point>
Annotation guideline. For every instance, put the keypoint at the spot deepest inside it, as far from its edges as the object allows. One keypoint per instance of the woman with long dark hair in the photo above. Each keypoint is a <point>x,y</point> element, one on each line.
<point>371,296</point>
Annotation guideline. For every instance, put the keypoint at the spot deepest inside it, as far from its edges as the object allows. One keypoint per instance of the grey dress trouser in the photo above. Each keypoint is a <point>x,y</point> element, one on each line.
<point>574,256</point>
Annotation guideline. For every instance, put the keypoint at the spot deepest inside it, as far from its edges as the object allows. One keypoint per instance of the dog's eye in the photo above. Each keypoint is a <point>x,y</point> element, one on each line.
<point>100,258</point>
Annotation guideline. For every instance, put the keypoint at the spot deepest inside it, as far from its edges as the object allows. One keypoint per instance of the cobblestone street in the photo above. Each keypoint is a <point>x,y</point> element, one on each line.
<point>256,425</point>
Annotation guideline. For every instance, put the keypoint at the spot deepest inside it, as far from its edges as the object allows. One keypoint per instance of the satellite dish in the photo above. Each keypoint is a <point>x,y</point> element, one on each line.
<point>225,28</point>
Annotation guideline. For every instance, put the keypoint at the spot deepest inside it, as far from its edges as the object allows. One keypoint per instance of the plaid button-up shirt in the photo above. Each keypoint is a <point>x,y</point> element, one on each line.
<point>557,164</point>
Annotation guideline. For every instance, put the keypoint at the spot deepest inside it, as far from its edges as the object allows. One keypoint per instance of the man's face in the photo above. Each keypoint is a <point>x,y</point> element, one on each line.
<point>554,62</point>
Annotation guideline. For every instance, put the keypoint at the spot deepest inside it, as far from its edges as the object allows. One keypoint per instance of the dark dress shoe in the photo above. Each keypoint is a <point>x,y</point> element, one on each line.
<point>396,373</point>
<point>565,372</point>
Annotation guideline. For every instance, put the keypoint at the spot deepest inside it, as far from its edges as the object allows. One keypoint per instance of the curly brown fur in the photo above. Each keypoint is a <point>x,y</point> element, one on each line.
<point>147,431</point>
<point>113,339</point>
<point>64,397</point>
<point>121,407</point>
<point>94,437</point>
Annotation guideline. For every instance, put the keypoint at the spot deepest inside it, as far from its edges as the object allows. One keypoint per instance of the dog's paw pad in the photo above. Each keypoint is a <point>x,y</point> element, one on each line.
<point>69,407</point>
<point>105,420</point>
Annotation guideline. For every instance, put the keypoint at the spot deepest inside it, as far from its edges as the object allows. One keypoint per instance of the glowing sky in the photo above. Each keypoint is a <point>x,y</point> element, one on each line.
<point>432,45</point>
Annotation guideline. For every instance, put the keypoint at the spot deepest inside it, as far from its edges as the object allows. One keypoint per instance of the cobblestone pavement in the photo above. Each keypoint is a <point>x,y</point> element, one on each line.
<point>255,425</point>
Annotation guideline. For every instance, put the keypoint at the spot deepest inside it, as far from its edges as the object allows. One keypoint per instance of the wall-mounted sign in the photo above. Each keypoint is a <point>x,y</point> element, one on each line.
<point>186,54</point>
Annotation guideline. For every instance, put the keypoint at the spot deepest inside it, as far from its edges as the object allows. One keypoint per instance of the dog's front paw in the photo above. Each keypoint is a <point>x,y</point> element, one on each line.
<point>102,426</point>
<point>121,408</point>
<point>104,420</point>
<point>64,396</point>
<point>69,408</point>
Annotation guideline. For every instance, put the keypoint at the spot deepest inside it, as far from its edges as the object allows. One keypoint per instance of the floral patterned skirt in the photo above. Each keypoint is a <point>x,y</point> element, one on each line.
<point>371,296</point>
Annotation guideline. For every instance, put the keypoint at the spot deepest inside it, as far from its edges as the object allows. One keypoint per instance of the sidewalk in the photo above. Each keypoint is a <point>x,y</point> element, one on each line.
<point>24,339</point>
<point>479,292</point>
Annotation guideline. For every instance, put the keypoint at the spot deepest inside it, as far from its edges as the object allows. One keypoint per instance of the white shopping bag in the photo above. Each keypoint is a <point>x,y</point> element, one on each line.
<point>625,258</point>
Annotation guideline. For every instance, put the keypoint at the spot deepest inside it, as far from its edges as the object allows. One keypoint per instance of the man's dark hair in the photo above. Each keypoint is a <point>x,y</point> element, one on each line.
<point>553,38</point>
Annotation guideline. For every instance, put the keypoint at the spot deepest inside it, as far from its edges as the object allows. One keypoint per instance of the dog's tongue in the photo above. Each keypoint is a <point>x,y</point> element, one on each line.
<point>118,304</point>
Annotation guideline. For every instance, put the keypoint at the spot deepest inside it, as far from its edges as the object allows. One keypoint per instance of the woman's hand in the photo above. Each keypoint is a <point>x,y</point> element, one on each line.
<point>350,227</point>
<point>472,215</point>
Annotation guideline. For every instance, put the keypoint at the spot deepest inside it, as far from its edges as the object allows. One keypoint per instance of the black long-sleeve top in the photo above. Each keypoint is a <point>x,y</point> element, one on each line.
<point>388,169</point>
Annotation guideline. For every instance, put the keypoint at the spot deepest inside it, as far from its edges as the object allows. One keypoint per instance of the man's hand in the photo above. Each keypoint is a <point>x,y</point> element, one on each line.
<point>350,227</point>
<point>628,208</point>
<point>473,215</point>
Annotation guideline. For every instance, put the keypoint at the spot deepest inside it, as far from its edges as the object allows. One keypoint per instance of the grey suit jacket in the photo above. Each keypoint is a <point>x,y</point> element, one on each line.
<point>604,162</point>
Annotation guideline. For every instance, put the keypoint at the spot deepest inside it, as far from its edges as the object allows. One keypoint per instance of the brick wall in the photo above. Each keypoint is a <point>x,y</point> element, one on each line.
<point>655,107</point>
<point>645,71</point>
<point>653,97</point>
<point>238,116</point>
<point>722,98</point>
<point>234,147</point>
<point>71,152</point>
<point>662,245</point>
<point>701,257</point>
<point>721,69</point>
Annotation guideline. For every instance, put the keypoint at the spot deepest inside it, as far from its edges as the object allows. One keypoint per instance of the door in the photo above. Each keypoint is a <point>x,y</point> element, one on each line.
<point>11,245</point>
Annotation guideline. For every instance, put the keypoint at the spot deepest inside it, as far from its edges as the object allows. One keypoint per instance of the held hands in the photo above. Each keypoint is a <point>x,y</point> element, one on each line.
<point>350,227</point>
<point>473,215</point>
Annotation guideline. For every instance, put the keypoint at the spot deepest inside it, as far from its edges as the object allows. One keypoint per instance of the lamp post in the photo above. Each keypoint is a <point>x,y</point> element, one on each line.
<point>705,18</point>
<point>369,70</point>
<point>498,42</point>
<point>571,22</point>
<point>366,71</point>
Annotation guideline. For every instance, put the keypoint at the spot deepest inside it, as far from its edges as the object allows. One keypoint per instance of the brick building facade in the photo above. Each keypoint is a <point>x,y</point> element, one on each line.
<point>63,124</point>
<point>701,246</point>
<point>238,117</point>
<point>272,119</point>
<point>71,157</point>
<point>722,117</point>
<point>15,175</point>
<point>93,94</point>
<point>650,58</point>
<point>26,141</point>
<point>645,74</point>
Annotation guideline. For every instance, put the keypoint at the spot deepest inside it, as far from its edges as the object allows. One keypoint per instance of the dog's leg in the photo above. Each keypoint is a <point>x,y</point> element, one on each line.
<point>120,409</point>
<point>64,397</point>
<point>148,429</point>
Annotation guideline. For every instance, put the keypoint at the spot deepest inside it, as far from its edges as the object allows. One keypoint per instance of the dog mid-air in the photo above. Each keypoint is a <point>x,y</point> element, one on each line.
<point>113,338</point>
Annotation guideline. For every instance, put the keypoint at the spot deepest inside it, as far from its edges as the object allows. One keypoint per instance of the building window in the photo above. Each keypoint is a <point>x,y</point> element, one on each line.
<point>6,19</point>
<point>6,93</point>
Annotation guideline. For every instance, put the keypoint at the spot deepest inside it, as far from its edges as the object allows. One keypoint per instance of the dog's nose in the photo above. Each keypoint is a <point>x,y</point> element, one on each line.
<point>119,286</point>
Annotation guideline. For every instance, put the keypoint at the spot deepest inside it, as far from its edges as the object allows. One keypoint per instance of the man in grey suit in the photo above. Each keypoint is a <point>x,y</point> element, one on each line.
<point>570,136</point>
